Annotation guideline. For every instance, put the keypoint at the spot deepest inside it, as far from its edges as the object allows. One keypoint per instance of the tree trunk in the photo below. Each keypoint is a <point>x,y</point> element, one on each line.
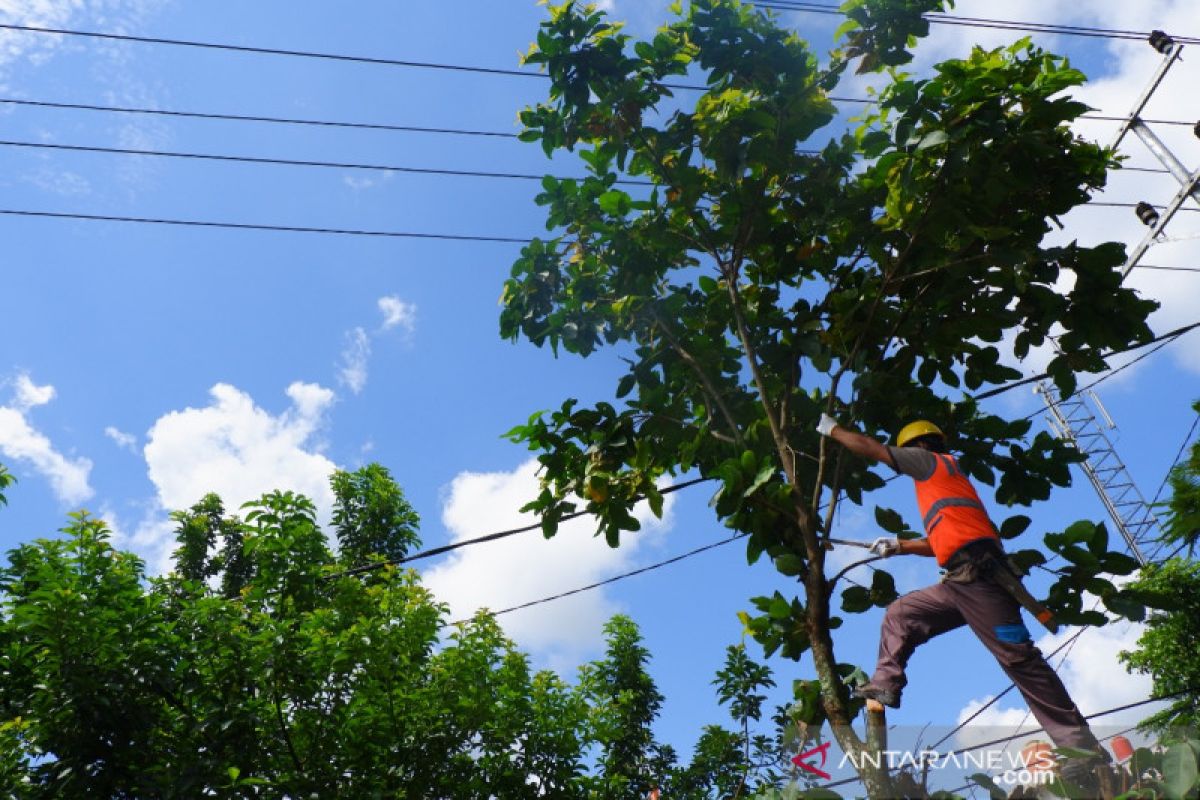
<point>865,755</point>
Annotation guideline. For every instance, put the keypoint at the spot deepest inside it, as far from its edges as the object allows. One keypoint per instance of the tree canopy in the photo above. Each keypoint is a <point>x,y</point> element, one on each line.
<point>261,666</point>
<point>756,265</point>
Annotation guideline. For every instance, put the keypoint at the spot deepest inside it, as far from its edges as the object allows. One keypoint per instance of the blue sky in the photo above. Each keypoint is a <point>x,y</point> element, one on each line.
<point>141,366</point>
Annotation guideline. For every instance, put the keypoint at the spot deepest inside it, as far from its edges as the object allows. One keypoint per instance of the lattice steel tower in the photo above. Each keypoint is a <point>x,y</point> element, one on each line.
<point>1072,417</point>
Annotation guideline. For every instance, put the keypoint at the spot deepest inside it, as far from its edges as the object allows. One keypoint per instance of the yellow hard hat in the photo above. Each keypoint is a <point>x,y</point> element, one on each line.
<point>915,430</point>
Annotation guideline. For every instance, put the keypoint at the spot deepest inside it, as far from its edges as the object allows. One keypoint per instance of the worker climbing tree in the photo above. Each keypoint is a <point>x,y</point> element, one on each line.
<point>979,588</point>
<point>775,268</point>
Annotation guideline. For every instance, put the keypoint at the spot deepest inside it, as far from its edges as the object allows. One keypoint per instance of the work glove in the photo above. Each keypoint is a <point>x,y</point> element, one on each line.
<point>885,546</point>
<point>826,425</point>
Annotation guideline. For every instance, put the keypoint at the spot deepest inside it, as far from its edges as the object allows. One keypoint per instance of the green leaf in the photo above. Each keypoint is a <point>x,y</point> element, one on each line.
<point>1179,770</point>
<point>790,564</point>
<point>994,791</point>
<point>856,600</point>
<point>765,474</point>
<point>932,139</point>
<point>1014,526</point>
<point>614,202</point>
<point>889,520</point>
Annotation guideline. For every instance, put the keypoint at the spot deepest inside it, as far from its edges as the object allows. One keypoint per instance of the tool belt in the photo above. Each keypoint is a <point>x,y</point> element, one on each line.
<point>984,559</point>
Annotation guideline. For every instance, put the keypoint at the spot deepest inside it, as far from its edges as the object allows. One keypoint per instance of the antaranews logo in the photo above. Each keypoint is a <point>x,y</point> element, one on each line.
<point>801,761</point>
<point>1028,767</point>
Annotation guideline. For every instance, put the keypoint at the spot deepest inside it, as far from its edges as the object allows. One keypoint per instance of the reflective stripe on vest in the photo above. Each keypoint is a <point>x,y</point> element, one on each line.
<point>951,509</point>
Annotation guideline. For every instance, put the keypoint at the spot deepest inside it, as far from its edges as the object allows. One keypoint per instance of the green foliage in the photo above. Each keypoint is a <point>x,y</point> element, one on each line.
<point>624,702</point>
<point>119,687</point>
<point>753,285</point>
<point>1090,564</point>
<point>1183,508</point>
<point>880,30</point>
<point>6,480</point>
<point>371,517</point>
<point>1167,649</point>
<point>200,531</point>
<point>1169,770</point>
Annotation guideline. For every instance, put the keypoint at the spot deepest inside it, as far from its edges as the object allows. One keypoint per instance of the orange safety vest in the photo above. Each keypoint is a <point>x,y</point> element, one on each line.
<point>951,509</point>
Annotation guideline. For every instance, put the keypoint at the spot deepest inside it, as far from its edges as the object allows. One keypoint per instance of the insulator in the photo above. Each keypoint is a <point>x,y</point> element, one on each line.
<point>1161,42</point>
<point>1146,213</point>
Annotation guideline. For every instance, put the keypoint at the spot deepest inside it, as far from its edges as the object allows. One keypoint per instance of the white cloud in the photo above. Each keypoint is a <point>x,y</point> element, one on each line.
<point>352,371</point>
<point>125,441</point>
<point>398,313</point>
<point>21,442</point>
<point>240,451</point>
<point>359,183</point>
<point>60,182</point>
<point>30,395</point>
<point>527,566</point>
<point>1131,65</point>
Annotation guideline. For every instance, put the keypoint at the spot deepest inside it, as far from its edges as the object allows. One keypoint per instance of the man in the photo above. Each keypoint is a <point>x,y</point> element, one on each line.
<point>964,541</point>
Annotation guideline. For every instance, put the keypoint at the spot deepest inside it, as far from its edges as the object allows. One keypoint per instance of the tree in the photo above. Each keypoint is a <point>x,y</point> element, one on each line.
<point>371,516</point>
<point>6,480</point>
<point>1167,649</point>
<point>752,284</point>
<point>624,703</point>
<point>304,682</point>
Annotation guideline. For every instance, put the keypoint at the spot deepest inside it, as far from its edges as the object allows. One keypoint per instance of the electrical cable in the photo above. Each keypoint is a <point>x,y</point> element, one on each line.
<point>1110,204</point>
<point>1163,542</point>
<point>377,126</point>
<point>1178,457</point>
<point>614,578</point>
<point>982,22</point>
<point>1167,269</point>
<point>345,165</point>
<point>1164,338</point>
<point>463,68</point>
<point>192,223</point>
<point>491,537</point>
<point>286,162</point>
<point>227,117</point>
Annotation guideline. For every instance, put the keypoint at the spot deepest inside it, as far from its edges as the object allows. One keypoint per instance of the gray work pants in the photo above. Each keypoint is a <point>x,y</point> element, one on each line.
<point>995,617</point>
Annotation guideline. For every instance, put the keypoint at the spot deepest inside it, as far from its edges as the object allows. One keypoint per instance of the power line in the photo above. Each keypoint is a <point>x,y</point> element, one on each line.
<point>1178,457</point>
<point>1163,542</point>
<point>288,162</point>
<point>498,71</point>
<point>272,51</point>
<point>460,173</point>
<point>1167,269</point>
<point>981,22</point>
<point>376,126</point>
<point>1111,204</point>
<point>1164,338</point>
<point>491,537</point>
<point>192,223</point>
<point>229,117</point>
<point>615,578</point>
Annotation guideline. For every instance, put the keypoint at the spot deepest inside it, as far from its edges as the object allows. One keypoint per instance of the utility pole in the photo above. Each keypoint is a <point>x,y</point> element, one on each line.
<point>1072,417</point>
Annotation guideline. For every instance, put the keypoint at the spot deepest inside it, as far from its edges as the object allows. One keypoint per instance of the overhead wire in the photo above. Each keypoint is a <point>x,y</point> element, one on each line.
<point>981,22</point>
<point>288,162</point>
<point>450,67</point>
<point>225,117</point>
<point>490,537</point>
<point>380,126</point>
<point>352,165</point>
<point>622,576</point>
<point>249,226</point>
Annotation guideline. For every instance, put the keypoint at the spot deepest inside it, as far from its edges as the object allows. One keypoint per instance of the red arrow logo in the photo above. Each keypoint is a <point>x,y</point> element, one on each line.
<point>823,751</point>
